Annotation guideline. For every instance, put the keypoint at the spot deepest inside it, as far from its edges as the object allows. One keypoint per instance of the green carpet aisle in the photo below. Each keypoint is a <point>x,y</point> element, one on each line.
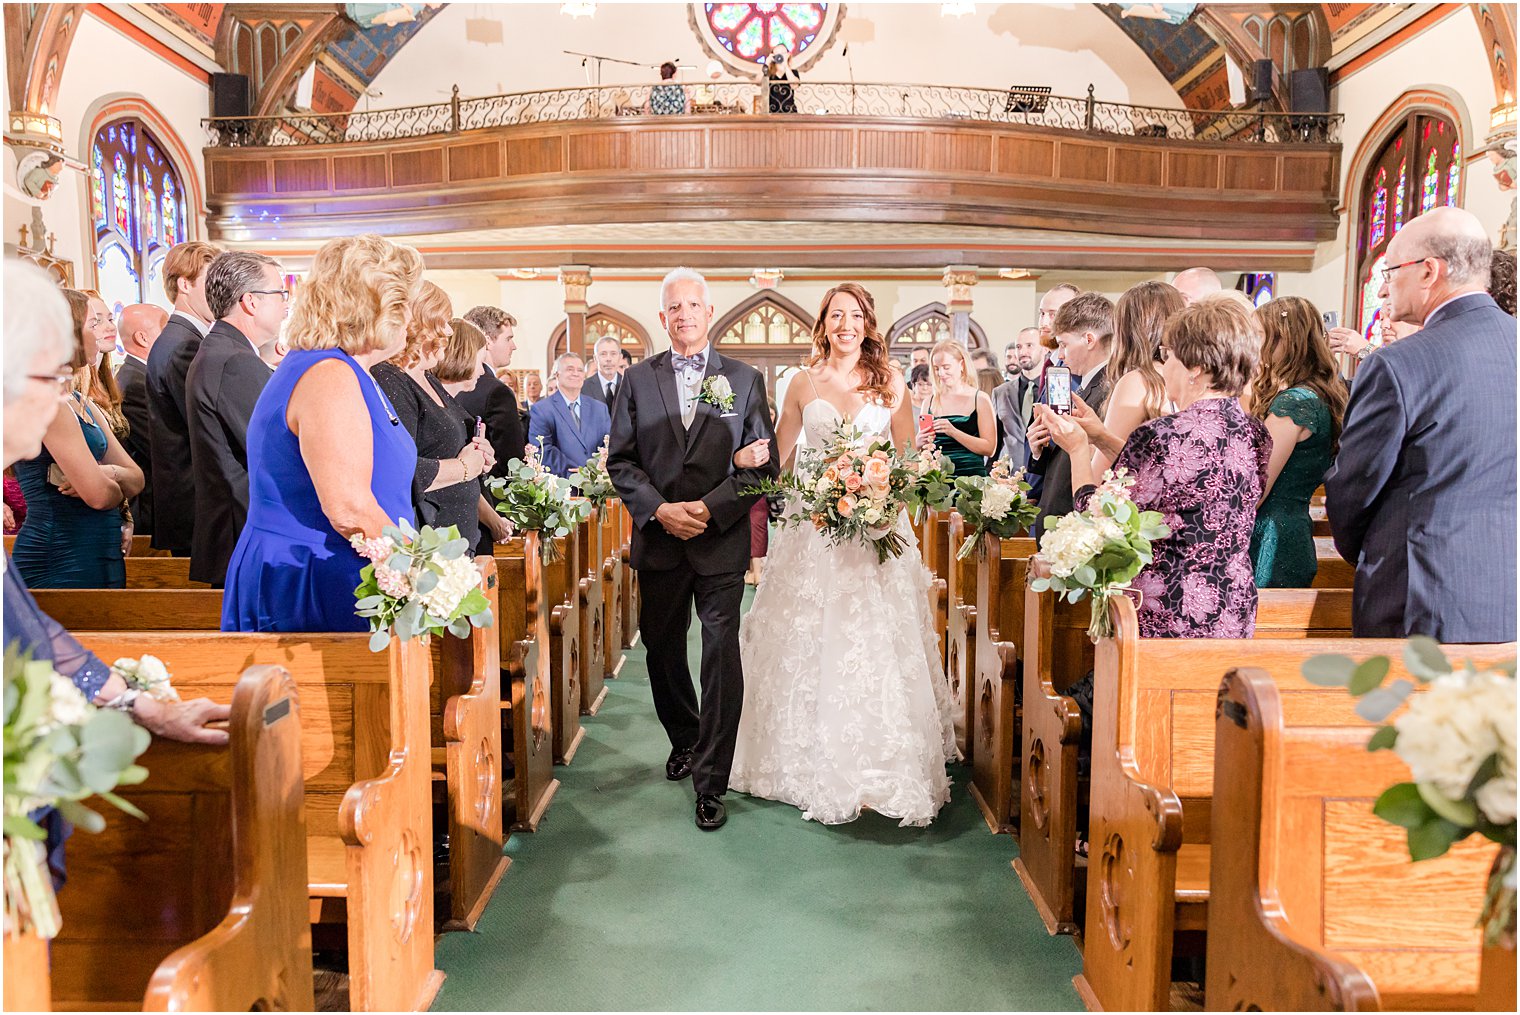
<point>620,902</point>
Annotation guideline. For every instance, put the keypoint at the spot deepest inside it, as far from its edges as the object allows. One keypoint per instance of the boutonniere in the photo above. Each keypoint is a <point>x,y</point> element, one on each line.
<point>717,391</point>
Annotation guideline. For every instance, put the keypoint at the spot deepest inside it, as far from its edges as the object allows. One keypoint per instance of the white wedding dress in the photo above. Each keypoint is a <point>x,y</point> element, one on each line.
<point>846,706</point>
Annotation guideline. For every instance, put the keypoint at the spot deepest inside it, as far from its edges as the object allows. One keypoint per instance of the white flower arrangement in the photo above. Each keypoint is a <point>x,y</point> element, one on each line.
<point>149,675</point>
<point>418,583</point>
<point>717,391</point>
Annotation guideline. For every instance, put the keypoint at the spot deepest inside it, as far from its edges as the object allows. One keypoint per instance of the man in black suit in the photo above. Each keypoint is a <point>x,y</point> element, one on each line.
<point>168,362</point>
<point>1422,494</point>
<point>1084,333</point>
<point>602,385</point>
<point>246,291</point>
<point>490,399</point>
<point>140,326</point>
<point>672,461</point>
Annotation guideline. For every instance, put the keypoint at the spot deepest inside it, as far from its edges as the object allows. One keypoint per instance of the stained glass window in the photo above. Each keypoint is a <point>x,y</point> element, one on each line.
<point>1398,203</point>
<point>1430,190</point>
<point>137,217</point>
<point>1371,302</point>
<point>750,31</point>
<point>1379,209</point>
<point>1454,173</point>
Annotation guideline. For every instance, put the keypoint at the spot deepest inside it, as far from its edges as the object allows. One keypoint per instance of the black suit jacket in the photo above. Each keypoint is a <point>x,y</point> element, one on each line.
<point>132,378</point>
<point>169,436</point>
<point>653,459</point>
<point>496,406</point>
<point>1055,465</point>
<point>221,389</point>
<point>593,389</point>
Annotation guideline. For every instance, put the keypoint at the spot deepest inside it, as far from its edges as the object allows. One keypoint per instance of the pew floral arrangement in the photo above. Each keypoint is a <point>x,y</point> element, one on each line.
<point>418,583</point>
<point>997,503</point>
<point>1458,739</point>
<point>592,479</point>
<point>534,499</point>
<point>59,751</point>
<point>1100,550</point>
<point>851,490</point>
<point>147,674</point>
<point>933,486</point>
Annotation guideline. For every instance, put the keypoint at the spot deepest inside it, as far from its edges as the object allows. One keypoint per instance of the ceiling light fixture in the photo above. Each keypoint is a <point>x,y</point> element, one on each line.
<point>1015,274</point>
<point>523,274</point>
<point>578,9</point>
<point>956,10</point>
<point>766,278</point>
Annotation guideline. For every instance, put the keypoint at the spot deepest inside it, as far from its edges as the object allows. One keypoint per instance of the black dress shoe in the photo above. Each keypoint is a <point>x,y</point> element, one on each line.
<point>678,765</point>
<point>711,813</point>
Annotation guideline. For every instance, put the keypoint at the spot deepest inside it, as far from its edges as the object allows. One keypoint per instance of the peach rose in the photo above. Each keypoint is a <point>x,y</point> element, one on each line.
<point>879,455</point>
<point>852,482</point>
<point>830,474</point>
<point>846,506</point>
<point>878,471</point>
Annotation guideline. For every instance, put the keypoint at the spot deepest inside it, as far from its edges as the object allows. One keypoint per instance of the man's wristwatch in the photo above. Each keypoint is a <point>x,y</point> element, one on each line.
<point>1363,353</point>
<point>125,701</point>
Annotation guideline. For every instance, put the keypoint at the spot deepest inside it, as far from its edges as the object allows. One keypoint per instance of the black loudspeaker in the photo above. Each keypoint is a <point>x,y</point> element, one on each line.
<point>1261,81</point>
<point>231,95</point>
<point>1309,90</point>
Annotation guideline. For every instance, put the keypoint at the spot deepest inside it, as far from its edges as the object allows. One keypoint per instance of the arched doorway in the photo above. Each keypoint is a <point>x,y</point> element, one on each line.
<point>767,331</point>
<point>921,328</point>
<point>601,321</point>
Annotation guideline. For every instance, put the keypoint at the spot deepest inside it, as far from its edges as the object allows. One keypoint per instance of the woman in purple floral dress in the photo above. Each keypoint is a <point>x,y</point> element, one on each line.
<point>1203,467</point>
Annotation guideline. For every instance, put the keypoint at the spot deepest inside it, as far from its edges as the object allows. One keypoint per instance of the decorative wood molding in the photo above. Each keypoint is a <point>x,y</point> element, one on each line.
<point>828,168</point>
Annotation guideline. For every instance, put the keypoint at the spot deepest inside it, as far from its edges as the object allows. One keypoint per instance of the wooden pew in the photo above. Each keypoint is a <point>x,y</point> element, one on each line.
<point>203,906</point>
<point>1334,572</point>
<point>593,654</point>
<point>960,632</point>
<point>1315,906</point>
<point>937,558</point>
<point>1057,654</point>
<point>1153,779</point>
<point>611,572</point>
<point>368,773</point>
<point>630,578</point>
<point>142,546</point>
<point>561,584</point>
<point>994,721</point>
<point>526,668</point>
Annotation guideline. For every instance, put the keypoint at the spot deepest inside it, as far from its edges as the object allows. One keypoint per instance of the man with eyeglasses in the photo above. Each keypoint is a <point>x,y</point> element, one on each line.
<point>246,292</point>
<point>1422,494</point>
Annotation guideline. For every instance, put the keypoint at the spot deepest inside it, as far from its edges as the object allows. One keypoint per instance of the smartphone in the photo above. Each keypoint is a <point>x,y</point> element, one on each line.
<point>480,427</point>
<point>1058,389</point>
<point>1332,319</point>
<point>925,421</point>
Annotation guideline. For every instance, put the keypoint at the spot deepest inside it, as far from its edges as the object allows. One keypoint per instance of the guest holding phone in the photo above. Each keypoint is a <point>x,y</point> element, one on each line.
<point>960,422</point>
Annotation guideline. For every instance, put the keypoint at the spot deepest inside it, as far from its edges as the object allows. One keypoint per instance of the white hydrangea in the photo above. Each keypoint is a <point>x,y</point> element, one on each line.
<point>996,501</point>
<point>1072,542</point>
<point>458,578</point>
<point>1109,529</point>
<point>66,705</point>
<point>871,515</point>
<point>1450,730</point>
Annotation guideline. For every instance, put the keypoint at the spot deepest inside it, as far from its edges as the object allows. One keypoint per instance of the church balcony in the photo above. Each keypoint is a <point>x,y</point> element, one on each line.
<point>852,153</point>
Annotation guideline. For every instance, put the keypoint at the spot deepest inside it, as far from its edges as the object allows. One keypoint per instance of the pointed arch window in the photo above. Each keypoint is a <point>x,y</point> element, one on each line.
<point>921,328</point>
<point>603,321</point>
<point>1422,159</point>
<point>137,216</point>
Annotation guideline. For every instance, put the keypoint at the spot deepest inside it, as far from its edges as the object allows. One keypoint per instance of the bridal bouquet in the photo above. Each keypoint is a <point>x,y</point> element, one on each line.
<point>534,499</point>
<point>592,480</point>
<point>418,583</point>
<point>933,485</point>
<point>1100,550</point>
<point>851,490</point>
<point>1458,739</point>
<point>59,750</point>
<point>997,503</point>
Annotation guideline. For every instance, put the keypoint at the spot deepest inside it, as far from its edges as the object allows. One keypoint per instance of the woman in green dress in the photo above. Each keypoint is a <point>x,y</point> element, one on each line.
<point>1299,396</point>
<point>961,422</point>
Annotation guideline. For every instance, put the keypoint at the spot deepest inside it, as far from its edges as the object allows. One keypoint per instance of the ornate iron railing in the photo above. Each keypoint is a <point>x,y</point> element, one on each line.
<point>1034,107</point>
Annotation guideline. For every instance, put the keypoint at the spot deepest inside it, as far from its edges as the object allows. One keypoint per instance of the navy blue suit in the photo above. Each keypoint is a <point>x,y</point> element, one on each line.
<point>1422,494</point>
<point>564,445</point>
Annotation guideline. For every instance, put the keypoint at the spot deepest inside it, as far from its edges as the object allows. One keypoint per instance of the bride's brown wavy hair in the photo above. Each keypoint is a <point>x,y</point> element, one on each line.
<point>875,365</point>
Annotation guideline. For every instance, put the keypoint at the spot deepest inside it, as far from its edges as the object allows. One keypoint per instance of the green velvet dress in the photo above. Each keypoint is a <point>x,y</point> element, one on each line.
<point>966,461</point>
<point>1282,541</point>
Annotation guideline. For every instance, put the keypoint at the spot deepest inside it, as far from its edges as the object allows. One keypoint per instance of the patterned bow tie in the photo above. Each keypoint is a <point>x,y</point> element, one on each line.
<point>697,362</point>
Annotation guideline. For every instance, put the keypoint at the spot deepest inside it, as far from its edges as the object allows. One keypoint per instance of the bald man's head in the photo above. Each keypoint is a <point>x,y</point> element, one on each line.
<point>1196,283</point>
<point>139,328</point>
<point>1436,257</point>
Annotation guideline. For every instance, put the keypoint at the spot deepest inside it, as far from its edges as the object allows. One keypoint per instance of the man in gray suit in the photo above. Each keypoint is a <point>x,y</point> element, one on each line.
<point>1422,494</point>
<point>1014,401</point>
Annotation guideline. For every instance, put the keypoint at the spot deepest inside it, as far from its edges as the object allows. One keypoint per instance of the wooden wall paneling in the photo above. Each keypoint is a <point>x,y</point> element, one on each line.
<point>884,148</point>
<point>417,167</point>
<point>811,148</point>
<point>1313,173</point>
<point>527,156</point>
<point>300,175</point>
<point>1138,167</point>
<point>478,160</point>
<point>1256,172</point>
<point>1018,156</point>
<point>759,148</point>
<point>360,172</point>
<point>1081,160</point>
<point>654,150</point>
<point>596,151</point>
<point>236,175</point>
<point>1192,169</point>
<point>958,152</point>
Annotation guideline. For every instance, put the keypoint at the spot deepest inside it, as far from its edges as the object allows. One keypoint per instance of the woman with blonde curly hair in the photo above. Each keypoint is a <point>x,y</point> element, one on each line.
<point>963,426</point>
<point>328,457</point>
<point>846,706</point>
<point>1299,396</point>
<point>450,459</point>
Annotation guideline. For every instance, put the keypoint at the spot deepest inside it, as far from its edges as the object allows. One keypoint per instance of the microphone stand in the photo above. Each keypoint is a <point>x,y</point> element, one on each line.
<point>850,64</point>
<point>604,59</point>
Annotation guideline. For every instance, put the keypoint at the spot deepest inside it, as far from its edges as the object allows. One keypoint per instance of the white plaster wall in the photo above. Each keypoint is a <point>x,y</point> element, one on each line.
<point>1449,57</point>
<point>1066,46</point>
<point>105,65</point>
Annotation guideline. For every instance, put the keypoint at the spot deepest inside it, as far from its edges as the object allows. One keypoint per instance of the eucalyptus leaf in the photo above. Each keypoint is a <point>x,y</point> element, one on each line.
<point>1463,813</point>
<point>1423,658</point>
<point>125,806</point>
<point>18,827</point>
<point>379,640</point>
<point>81,816</point>
<point>1383,739</point>
<point>427,581</point>
<point>1328,670</point>
<point>1368,675</point>
<point>1379,704</point>
<point>1040,585</point>
<point>1085,575</point>
<point>369,603</point>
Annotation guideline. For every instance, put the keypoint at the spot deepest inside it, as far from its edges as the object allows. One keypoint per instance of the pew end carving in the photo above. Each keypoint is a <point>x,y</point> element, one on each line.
<point>528,671</point>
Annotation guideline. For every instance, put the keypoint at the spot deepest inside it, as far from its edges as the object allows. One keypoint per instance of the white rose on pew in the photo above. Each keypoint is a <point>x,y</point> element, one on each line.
<point>149,675</point>
<point>66,705</point>
<point>1451,729</point>
<point>458,578</point>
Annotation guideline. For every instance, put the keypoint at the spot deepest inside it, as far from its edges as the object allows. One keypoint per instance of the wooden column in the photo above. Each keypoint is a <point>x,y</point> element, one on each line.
<point>958,279</point>
<point>575,280</point>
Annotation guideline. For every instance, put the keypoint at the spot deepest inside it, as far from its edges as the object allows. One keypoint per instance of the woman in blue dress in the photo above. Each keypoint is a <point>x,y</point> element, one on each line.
<point>328,457</point>
<point>75,488</point>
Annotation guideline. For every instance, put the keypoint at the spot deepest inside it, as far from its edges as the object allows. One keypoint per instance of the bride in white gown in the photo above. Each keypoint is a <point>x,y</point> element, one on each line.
<point>846,706</point>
